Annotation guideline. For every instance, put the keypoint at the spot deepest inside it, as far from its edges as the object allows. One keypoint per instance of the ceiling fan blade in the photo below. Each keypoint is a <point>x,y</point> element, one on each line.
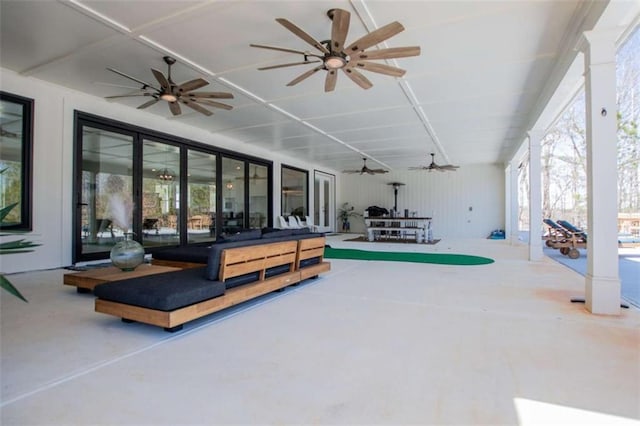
<point>196,107</point>
<point>351,171</point>
<point>284,49</point>
<point>131,78</point>
<point>419,168</point>
<point>127,95</point>
<point>99,83</point>
<point>211,95</point>
<point>192,85</point>
<point>330,81</point>
<point>358,78</point>
<point>175,108</point>
<point>303,35</point>
<point>379,171</point>
<point>164,83</point>
<point>304,75</point>
<point>339,29</point>
<point>286,65</point>
<point>379,68</point>
<point>213,104</point>
<point>375,37</point>
<point>391,53</point>
<point>148,104</point>
<point>449,167</point>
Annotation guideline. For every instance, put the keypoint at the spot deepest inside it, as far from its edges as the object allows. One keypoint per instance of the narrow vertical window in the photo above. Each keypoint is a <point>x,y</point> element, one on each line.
<point>16,142</point>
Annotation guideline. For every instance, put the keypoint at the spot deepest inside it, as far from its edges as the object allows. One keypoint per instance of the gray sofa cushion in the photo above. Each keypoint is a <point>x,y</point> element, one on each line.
<point>252,234</point>
<point>198,254</point>
<point>164,292</point>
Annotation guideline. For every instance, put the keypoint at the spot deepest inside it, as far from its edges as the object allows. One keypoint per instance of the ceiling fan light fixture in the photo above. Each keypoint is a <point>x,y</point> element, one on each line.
<point>168,97</point>
<point>335,62</point>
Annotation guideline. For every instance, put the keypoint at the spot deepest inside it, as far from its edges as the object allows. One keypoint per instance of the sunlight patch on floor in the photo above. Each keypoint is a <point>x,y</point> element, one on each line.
<point>543,413</point>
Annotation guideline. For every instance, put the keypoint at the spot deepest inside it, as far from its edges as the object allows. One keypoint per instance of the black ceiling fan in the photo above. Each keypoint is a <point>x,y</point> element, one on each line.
<point>367,170</point>
<point>175,94</point>
<point>434,166</point>
<point>335,55</point>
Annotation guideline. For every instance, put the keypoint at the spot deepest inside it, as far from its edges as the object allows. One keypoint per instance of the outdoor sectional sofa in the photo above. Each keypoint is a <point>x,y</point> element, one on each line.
<point>232,270</point>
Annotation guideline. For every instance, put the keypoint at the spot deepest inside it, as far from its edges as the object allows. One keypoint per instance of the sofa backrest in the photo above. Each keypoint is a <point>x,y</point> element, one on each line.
<point>241,261</point>
<point>215,252</point>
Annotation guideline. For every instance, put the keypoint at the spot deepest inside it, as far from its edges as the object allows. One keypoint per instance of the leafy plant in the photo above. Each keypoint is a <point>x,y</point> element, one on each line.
<point>346,211</point>
<point>12,247</point>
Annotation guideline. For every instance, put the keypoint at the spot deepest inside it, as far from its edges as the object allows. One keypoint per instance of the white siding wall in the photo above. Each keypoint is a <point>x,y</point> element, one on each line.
<point>53,166</point>
<point>444,196</point>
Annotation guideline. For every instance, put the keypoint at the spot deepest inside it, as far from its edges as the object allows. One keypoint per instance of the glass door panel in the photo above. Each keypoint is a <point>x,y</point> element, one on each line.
<point>233,179</point>
<point>258,196</point>
<point>201,181</point>
<point>105,204</point>
<point>324,200</point>
<point>294,192</point>
<point>160,194</point>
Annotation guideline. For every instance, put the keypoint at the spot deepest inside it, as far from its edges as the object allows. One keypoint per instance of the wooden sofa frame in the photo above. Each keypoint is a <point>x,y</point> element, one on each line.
<point>234,262</point>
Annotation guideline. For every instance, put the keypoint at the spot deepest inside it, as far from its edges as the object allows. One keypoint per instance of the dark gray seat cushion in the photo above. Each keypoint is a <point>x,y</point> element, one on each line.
<point>164,292</point>
<point>197,254</point>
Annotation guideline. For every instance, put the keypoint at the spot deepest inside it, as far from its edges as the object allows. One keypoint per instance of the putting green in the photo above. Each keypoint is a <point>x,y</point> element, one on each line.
<point>439,258</point>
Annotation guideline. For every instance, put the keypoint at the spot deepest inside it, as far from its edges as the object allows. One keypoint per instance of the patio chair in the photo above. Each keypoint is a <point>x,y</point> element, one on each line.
<point>568,239</point>
<point>281,223</point>
<point>573,230</point>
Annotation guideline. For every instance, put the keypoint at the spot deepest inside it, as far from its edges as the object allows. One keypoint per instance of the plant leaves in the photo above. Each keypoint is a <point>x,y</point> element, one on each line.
<point>16,245</point>
<point>5,211</point>
<point>6,285</point>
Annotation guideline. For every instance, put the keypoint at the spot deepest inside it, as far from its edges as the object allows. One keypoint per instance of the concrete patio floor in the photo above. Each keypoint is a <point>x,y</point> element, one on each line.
<point>368,342</point>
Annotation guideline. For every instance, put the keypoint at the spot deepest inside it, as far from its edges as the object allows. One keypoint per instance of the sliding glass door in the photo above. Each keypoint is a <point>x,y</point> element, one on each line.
<point>160,194</point>
<point>104,205</point>
<point>162,190</point>
<point>201,200</point>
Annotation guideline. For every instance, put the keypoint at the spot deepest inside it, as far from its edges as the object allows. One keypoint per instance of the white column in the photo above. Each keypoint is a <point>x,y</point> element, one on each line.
<point>514,169</point>
<point>535,195</point>
<point>602,281</point>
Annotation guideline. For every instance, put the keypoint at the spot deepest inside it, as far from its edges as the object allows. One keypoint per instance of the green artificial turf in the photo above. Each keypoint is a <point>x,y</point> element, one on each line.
<point>439,258</point>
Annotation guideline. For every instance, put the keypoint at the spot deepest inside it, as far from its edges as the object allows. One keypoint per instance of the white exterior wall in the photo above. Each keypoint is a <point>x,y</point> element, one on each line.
<point>53,163</point>
<point>446,196</point>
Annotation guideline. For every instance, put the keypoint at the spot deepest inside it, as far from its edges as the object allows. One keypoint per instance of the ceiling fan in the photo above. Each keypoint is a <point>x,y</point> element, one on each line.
<point>367,170</point>
<point>175,94</point>
<point>335,55</point>
<point>434,166</point>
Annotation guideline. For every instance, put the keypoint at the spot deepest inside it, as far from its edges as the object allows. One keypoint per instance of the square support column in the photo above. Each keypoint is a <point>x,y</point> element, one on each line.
<point>511,204</point>
<point>535,195</point>
<point>602,280</point>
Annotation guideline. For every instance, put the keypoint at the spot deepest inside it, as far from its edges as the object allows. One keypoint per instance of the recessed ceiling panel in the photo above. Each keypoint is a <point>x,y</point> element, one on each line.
<point>35,32</point>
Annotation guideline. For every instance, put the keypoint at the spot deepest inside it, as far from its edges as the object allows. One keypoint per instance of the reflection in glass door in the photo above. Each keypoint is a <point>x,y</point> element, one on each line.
<point>160,194</point>
<point>324,201</point>
<point>258,196</point>
<point>233,182</point>
<point>104,207</point>
<point>201,184</point>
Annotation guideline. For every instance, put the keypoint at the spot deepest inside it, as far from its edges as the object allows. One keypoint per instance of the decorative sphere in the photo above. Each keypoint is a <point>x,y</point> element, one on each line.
<point>127,254</point>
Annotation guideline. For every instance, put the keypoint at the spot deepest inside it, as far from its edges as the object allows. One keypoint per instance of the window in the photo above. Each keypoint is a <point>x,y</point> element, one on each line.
<point>294,192</point>
<point>16,125</point>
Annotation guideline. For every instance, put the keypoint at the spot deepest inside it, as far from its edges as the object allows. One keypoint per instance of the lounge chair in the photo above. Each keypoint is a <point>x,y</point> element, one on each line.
<point>565,237</point>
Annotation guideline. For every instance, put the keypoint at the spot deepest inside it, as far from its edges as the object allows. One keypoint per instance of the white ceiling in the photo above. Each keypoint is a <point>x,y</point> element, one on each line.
<point>470,96</point>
